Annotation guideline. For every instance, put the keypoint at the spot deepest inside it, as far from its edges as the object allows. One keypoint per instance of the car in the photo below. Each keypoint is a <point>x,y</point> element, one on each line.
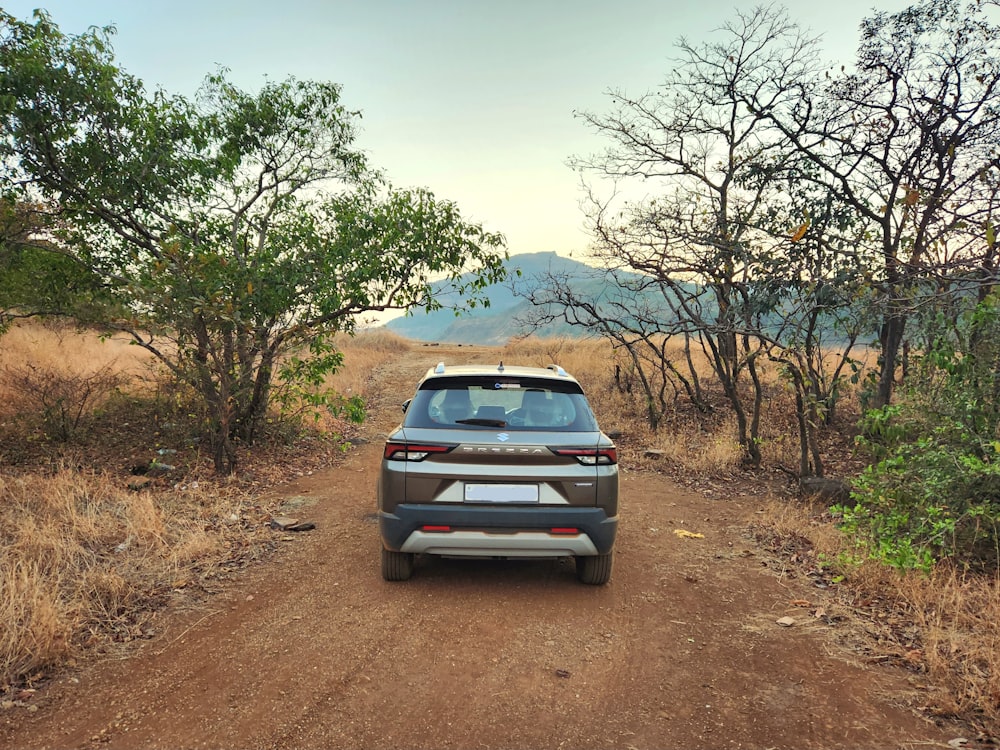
<point>495,461</point>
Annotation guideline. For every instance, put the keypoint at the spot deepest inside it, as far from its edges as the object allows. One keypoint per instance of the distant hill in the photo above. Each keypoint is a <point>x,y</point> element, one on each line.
<point>503,319</point>
<point>497,323</point>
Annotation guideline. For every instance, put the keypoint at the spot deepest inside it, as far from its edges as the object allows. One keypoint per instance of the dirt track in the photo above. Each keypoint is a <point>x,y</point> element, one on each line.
<point>314,650</point>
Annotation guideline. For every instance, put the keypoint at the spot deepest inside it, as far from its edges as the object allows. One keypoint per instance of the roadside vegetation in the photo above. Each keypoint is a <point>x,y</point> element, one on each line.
<point>105,523</point>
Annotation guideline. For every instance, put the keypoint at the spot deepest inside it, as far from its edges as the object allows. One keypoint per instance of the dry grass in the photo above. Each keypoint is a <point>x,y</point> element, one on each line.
<point>364,353</point>
<point>87,562</point>
<point>64,349</point>
<point>53,378</point>
<point>944,626</point>
<point>959,621</point>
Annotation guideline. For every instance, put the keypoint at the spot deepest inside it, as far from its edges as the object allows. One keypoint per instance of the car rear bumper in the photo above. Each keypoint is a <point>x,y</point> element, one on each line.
<point>492,531</point>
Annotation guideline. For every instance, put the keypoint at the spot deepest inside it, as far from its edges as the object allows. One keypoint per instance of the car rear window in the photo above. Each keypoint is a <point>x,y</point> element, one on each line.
<point>511,403</point>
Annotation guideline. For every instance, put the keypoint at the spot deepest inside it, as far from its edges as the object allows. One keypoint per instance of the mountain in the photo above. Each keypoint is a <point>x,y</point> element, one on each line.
<point>505,316</point>
<point>497,323</point>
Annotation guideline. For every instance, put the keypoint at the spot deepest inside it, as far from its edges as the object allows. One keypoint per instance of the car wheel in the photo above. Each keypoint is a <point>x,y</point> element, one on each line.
<point>595,569</point>
<point>396,566</point>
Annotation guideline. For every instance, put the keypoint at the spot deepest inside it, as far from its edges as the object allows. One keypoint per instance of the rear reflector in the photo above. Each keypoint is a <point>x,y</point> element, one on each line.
<point>429,527</point>
<point>564,530</point>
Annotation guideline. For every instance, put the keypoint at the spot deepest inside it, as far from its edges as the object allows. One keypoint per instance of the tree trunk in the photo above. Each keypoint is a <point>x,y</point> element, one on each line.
<point>252,417</point>
<point>891,339</point>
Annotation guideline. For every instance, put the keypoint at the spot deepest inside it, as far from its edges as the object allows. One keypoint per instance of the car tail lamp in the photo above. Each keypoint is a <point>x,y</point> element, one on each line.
<point>590,456</point>
<point>412,452</point>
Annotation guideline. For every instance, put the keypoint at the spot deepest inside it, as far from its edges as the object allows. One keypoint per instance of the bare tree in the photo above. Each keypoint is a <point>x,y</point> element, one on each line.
<point>908,141</point>
<point>630,311</point>
<point>718,172</point>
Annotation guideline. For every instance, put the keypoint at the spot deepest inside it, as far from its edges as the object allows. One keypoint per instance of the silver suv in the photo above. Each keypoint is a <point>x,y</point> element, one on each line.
<point>498,462</point>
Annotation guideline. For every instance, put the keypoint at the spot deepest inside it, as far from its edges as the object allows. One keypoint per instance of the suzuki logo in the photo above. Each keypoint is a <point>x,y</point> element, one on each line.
<point>503,437</point>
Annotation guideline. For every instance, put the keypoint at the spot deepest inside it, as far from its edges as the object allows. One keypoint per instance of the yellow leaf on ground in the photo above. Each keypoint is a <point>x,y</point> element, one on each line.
<point>685,534</point>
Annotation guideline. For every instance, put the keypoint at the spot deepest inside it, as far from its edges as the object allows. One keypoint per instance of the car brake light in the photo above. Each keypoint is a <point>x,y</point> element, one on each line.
<point>408,452</point>
<point>590,456</point>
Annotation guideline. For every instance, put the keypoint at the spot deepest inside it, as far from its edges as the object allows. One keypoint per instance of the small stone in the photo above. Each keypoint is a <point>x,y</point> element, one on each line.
<point>786,622</point>
<point>283,523</point>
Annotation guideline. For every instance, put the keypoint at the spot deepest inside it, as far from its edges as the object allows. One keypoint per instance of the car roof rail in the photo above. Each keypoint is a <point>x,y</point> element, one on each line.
<point>558,370</point>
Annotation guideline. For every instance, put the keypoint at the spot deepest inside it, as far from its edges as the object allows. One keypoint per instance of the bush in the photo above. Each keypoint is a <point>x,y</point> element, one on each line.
<point>934,491</point>
<point>59,400</point>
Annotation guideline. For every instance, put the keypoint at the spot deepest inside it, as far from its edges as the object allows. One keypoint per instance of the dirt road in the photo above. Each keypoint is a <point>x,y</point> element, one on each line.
<point>313,650</point>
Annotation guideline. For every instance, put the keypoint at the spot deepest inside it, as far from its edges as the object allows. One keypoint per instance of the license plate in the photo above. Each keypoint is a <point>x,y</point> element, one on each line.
<point>501,493</point>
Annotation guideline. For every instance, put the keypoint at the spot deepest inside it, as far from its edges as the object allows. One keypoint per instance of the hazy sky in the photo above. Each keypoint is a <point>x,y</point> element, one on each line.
<point>471,99</point>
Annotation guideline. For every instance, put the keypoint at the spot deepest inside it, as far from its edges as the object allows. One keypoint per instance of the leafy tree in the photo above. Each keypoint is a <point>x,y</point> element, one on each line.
<point>36,279</point>
<point>238,231</point>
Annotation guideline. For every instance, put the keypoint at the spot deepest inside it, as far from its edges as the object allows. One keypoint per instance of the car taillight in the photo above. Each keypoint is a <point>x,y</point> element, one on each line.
<point>411,452</point>
<point>590,456</point>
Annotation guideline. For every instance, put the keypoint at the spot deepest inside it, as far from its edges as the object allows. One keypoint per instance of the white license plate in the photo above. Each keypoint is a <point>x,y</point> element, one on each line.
<point>501,493</point>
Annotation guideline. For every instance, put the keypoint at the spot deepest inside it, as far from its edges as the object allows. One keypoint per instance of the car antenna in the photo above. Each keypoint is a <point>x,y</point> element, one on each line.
<point>500,368</point>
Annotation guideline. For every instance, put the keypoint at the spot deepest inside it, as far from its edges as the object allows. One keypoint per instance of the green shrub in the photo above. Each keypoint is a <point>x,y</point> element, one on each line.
<point>934,489</point>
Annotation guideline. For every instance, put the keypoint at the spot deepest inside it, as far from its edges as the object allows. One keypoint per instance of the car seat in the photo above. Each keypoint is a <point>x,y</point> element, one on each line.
<point>456,405</point>
<point>537,409</point>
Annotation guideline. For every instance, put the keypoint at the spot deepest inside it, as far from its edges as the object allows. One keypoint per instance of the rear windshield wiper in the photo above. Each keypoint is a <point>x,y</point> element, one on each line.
<point>483,422</point>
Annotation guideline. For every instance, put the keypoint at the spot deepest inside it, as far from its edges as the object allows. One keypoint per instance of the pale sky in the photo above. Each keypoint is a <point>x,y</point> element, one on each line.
<point>473,100</point>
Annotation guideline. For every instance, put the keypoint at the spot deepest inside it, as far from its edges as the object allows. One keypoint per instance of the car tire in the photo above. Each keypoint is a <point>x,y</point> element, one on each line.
<point>595,569</point>
<point>396,566</point>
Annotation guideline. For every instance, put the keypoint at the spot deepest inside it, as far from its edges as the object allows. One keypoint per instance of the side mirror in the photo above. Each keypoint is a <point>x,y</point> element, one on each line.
<point>406,405</point>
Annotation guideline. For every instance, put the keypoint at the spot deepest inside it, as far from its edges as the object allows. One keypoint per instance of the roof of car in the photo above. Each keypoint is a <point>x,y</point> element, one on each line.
<point>552,371</point>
